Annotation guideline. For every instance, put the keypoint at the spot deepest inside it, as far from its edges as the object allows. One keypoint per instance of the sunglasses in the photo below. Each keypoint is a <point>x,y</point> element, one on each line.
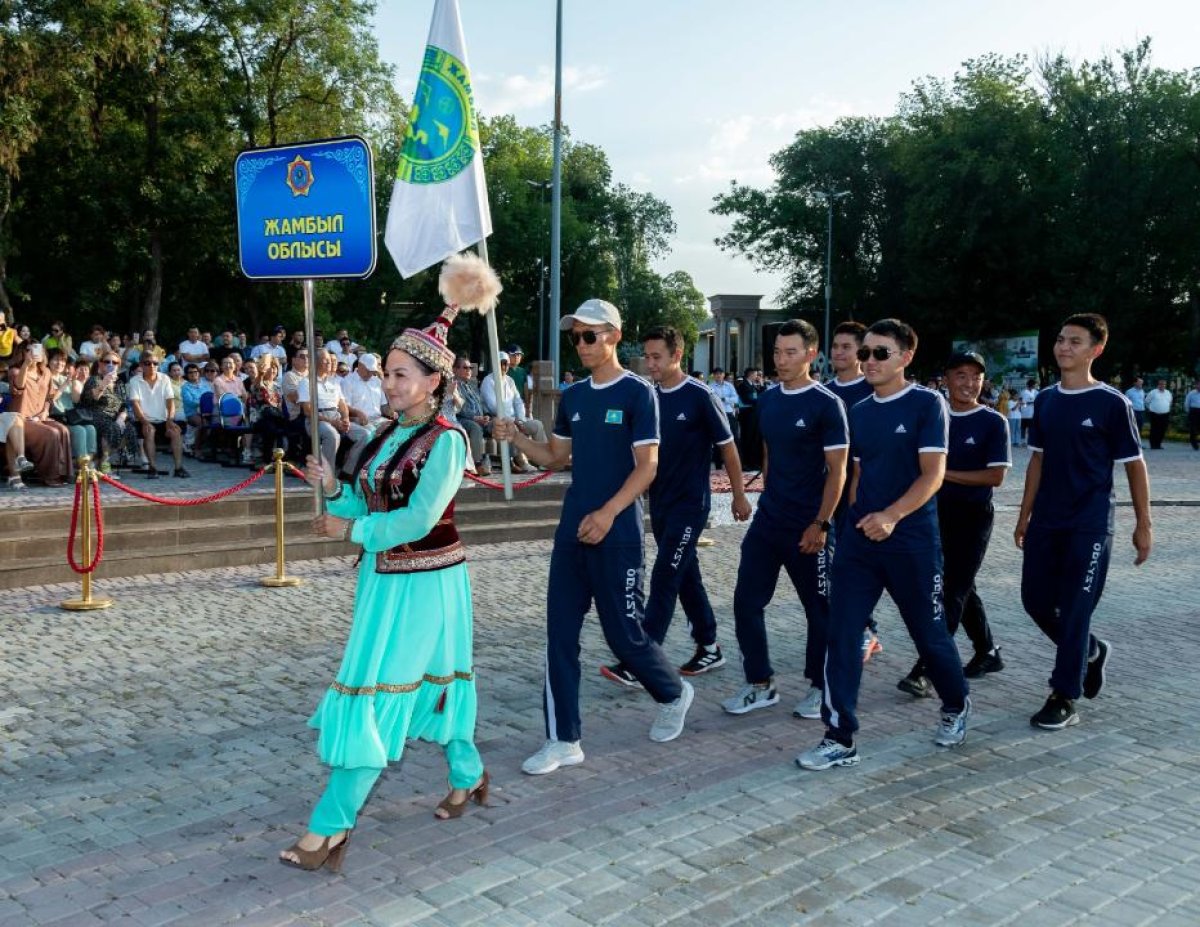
<point>148,364</point>
<point>587,337</point>
<point>879,353</point>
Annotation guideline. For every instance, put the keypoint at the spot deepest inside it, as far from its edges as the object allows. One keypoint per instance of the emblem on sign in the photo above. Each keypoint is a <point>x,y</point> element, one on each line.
<point>300,176</point>
<point>442,135</point>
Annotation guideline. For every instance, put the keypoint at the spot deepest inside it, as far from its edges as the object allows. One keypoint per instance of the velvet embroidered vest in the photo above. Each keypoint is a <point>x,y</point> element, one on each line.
<point>441,547</point>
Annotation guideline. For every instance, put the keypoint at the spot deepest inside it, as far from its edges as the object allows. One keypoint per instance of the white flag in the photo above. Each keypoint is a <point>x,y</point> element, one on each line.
<point>439,203</point>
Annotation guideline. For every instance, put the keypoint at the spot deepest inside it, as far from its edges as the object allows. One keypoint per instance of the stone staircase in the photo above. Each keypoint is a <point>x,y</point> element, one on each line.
<point>143,538</point>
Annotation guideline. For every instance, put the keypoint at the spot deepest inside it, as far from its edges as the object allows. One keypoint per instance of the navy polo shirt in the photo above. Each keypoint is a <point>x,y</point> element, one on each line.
<point>690,421</point>
<point>890,435</point>
<point>1080,434</point>
<point>978,440</point>
<point>798,427</point>
<point>604,423</point>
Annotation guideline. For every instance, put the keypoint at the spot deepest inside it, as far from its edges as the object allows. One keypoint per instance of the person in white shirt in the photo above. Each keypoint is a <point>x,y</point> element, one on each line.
<point>509,404</point>
<point>1158,410</point>
<point>332,411</point>
<point>153,400</point>
<point>96,346</point>
<point>1191,404</point>
<point>363,391</point>
<point>192,351</point>
<point>1027,396</point>
<point>273,346</point>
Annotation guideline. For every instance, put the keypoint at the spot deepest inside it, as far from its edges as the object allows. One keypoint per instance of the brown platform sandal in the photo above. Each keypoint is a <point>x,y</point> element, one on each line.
<point>324,855</point>
<point>478,794</point>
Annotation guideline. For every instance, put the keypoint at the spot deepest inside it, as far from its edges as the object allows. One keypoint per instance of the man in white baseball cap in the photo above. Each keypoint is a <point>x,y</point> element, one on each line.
<point>592,312</point>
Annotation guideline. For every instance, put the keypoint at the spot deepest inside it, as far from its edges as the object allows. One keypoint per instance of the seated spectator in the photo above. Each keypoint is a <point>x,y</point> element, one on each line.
<point>290,347</point>
<point>59,340</point>
<point>96,345</point>
<point>175,375</point>
<point>12,436</point>
<point>469,411</point>
<point>273,346</point>
<point>48,443</point>
<point>567,380</point>
<point>104,395</point>
<point>363,392</point>
<point>332,412</point>
<point>507,403</point>
<point>193,350</point>
<point>249,374</point>
<point>23,333</point>
<point>194,386</point>
<point>266,409</point>
<point>9,339</point>
<point>153,402</point>
<point>232,381</point>
<point>226,346</point>
<point>66,386</point>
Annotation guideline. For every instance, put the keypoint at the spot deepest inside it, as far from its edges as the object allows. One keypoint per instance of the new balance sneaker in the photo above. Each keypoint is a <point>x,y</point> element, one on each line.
<point>870,645</point>
<point>1093,677</point>
<point>621,675</point>
<point>752,696</point>
<point>810,706</point>
<point>703,660</point>
<point>826,754</point>
<point>669,723</point>
<point>916,683</point>
<point>554,753</point>
<point>983,663</point>
<point>952,729</point>
<point>1057,713</point>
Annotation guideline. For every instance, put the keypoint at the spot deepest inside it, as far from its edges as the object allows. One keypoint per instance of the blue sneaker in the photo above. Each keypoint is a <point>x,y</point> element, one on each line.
<point>952,729</point>
<point>826,754</point>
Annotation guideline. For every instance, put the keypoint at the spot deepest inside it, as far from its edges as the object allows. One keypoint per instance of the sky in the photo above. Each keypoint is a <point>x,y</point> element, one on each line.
<point>686,96</point>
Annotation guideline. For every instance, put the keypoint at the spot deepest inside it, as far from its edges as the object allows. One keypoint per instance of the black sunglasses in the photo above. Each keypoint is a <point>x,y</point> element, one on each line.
<point>149,363</point>
<point>879,353</point>
<point>587,337</point>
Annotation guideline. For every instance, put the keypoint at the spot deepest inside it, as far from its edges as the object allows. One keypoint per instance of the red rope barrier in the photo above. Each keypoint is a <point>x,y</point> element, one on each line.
<point>200,500</point>
<point>521,485</point>
<point>91,567</point>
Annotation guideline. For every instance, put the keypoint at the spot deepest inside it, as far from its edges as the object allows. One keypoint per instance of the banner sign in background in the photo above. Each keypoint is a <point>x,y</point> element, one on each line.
<point>306,211</point>
<point>1011,357</point>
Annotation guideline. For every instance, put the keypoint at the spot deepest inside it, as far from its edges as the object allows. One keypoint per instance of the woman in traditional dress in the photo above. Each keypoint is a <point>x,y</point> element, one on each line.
<point>47,442</point>
<point>407,671</point>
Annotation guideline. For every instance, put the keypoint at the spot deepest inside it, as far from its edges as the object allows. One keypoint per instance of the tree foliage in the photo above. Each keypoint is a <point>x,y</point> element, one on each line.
<point>1000,200</point>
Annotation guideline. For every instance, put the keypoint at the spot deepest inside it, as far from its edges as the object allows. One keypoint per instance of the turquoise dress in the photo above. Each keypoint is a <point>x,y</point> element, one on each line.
<point>407,669</point>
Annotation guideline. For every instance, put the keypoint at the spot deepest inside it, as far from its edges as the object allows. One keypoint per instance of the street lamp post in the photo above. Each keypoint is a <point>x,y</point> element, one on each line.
<point>830,196</point>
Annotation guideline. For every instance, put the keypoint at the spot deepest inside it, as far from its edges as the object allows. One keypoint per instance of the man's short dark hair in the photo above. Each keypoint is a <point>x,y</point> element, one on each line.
<point>798,327</point>
<point>668,334</point>
<point>855,330</point>
<point>1095,325</point>
<point>900,332</point>
<point>717,370</point>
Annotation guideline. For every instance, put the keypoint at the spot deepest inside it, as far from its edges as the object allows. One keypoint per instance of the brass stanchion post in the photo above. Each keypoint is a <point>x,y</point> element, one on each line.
<point>279,579</point>
<point>85,478</point>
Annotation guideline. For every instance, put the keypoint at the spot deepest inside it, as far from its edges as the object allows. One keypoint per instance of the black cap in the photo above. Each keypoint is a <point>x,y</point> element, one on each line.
<point>279,330</point>
<point>514,348</point>
<point>960,358</point>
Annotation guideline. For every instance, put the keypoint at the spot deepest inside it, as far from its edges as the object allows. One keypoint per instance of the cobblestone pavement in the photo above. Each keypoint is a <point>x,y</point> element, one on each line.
<point>154,758</point>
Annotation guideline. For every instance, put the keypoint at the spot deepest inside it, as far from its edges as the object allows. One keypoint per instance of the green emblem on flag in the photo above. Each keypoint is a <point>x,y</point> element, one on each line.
<point>614,417</point>
<point>443,134</point>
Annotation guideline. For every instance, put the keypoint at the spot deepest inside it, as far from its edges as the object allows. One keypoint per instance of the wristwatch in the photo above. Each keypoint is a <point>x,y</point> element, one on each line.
<point>823,525</point>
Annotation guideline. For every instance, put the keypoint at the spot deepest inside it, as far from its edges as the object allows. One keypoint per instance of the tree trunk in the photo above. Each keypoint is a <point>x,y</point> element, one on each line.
<point>5,204</point>
<point>154,285</point>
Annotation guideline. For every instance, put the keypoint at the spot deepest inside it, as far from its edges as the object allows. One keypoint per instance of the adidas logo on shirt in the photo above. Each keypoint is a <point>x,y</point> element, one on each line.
<point>681,417</point>
<point>800,423</point>
<point>901,430</point>
<point>970,441</point>
<point>575,417</point>
<point>1087,423</point>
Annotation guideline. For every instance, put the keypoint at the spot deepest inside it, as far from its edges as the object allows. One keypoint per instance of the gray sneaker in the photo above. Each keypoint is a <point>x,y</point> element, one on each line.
<point>669,723</point>
<point>810,706</point>
<point>15,484</point>
<point>750,697</point>
<point>554,753</point>
<point>826,754</point>
<point>952,729</point>
<point>23,464</point>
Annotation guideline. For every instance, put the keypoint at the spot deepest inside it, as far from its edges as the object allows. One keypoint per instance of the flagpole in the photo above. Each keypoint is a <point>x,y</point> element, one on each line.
<point>494,363</point>
<point>556,206</point>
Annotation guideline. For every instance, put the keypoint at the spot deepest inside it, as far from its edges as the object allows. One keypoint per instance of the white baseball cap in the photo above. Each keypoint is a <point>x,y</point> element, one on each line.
<point>369,362</point>
<point>504,358</point>
<point>592,312</point>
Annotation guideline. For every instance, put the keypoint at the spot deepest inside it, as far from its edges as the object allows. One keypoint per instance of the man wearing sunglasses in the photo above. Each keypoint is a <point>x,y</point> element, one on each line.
<point>890,542</point>
<point>805,441</point>
<point>607,427</point>
<point>153,400</point>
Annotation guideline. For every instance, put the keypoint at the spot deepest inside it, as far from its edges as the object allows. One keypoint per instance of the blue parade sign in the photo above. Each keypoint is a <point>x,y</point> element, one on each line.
<point>306,211</point>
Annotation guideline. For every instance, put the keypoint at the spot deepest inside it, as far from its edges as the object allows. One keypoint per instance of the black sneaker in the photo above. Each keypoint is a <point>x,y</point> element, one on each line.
<point>1093,677</point>
<point>621,675</point>
<point>702,661</point>
<point>151,474</point>
<point>983,663</point>
<point>1057,713</point>
<point>916,683</point>
<point>181,473</point>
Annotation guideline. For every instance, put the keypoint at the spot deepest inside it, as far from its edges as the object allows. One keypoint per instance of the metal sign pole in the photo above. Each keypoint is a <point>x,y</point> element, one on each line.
<point>313,360</point>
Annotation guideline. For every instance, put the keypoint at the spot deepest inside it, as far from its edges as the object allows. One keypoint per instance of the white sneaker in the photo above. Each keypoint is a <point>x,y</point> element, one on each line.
<point>952,728</point>
<point>554,753</point>
<point>751,696</point>
<point>810,707</point>
<point>669,723</point>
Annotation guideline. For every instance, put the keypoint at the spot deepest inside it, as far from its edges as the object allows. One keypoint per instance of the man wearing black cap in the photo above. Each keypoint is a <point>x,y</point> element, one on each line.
<point>977,458</point>
<point>519,374</point>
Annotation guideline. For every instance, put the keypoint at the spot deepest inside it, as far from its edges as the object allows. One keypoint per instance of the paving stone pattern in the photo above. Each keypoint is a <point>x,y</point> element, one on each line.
<point>154,758</point>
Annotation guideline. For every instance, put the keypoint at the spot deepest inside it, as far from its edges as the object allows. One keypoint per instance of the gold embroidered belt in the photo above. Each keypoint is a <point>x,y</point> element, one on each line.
<point>392,688</point>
